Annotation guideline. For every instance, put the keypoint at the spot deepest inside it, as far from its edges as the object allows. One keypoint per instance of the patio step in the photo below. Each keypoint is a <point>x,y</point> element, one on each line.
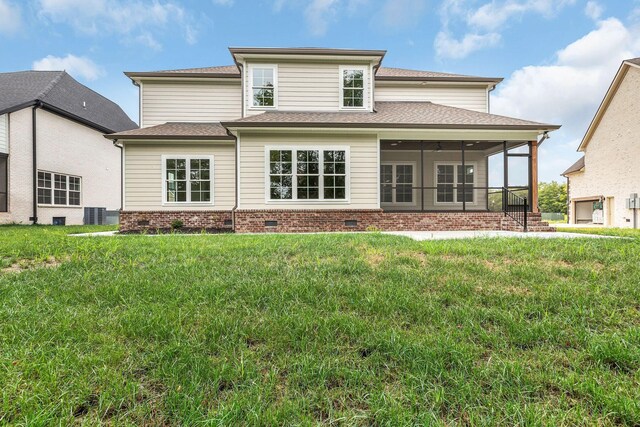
<point>534,223</point>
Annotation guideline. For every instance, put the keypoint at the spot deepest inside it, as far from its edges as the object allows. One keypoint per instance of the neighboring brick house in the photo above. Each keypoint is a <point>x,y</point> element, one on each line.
<point>601,182</point>
<point>54,160</point>
<point>311,139</point>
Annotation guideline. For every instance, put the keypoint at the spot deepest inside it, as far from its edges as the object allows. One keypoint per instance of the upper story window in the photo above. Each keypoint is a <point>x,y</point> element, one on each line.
<point>263,86</point>
<point>352,87</point>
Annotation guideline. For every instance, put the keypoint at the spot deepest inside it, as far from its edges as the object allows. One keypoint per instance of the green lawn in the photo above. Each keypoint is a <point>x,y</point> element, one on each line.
<point>353,329</point>
<point>618,232</point>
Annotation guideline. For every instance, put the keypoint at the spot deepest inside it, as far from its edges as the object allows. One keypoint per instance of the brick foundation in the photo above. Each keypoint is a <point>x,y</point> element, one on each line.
<point>306,221</point>
<point>301,221</point>
<point>151,220</point>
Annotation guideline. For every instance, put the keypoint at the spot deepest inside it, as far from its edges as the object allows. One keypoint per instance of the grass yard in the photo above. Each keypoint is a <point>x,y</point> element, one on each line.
<point>618,232</point>
<point>353,329</point>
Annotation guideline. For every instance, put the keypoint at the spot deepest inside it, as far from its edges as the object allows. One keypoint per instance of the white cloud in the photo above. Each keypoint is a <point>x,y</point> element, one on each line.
<point>400,14</point>
<point>569,90</point>
<point>131,19</point>
<point>148,40</point>
<point>447,46</point>
<point>77,66</point>
<point>593,10</point>
<point>494,15</point>
<point>223,2</point>
<point>318,14</point>
<point>482,24</point>
<point>10,17</point>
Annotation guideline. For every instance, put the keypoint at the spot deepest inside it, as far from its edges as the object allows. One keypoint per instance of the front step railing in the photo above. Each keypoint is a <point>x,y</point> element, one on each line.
<point>515,207</point>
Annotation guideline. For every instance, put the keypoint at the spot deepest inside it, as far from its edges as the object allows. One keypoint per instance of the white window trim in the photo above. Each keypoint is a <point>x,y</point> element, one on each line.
<point>294,149</point>
<point>395,164</point>
<point>187,158</point>
<point>53,204</point>
<point>455,184</point>
<point>250,69</point>
<point>365,92</point>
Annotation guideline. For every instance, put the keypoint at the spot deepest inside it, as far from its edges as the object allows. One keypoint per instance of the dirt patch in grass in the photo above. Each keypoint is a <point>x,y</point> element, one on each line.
<point>22,265</point>
<point>372,256</point>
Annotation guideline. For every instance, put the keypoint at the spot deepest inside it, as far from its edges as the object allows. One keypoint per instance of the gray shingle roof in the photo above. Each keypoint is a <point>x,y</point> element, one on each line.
<point>388,73</point>
<point>176,130</point>
<point>635,61</point>
<point>59,91</point>
<point>383,73</point>
<point>577,166</point>
<point>219,71</point>
<point>392,115</point>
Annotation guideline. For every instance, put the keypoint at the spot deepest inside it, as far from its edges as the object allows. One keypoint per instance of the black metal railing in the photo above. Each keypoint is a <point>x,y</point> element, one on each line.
<point>445,197</point>
<point>515,207</point>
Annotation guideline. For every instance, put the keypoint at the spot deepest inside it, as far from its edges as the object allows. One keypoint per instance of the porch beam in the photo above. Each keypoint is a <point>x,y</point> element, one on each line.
<point>505,172</point>
<point>464,179</point>
<point>422,176</point>
<point>533,171</point>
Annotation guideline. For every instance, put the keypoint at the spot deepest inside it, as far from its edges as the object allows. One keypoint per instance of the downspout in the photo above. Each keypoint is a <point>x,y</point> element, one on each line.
<point>237,150</point>
<point>373,83</point>
<point>235,206</point>
<point>34,153</point>
<point>115,144</point>
<point>489,97</point>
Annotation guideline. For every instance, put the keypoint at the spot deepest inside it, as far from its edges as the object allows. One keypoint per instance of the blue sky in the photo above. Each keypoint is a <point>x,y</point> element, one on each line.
<point>557,56</point>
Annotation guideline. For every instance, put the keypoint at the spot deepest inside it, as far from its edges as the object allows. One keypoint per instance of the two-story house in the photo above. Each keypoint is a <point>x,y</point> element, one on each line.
<point>602,183</point>
<point>55,165</point>
<point>312,139</point>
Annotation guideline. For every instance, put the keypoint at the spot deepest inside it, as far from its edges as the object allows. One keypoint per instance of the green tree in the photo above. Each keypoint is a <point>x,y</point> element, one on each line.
<point>552,197</point>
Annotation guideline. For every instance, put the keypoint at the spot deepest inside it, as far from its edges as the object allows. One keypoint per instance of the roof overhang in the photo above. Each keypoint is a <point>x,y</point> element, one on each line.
<point>384,126</point>
<point>242,53</point>
<point>58,111</point>
<point>138,76</point>
<point>403,133</point>
<point>491,81</point>
<point>611,92</point>
<point>116,137</point>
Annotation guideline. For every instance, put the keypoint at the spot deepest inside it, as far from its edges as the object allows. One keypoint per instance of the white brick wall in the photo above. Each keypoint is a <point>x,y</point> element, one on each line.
<point>66,147</point>
<point>612,167</point>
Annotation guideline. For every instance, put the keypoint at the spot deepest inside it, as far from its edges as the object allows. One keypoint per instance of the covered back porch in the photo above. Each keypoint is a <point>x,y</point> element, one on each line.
<point>470,175</point>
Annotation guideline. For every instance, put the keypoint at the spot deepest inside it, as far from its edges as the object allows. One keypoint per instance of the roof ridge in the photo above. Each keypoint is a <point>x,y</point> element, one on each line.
<point>50,86</point>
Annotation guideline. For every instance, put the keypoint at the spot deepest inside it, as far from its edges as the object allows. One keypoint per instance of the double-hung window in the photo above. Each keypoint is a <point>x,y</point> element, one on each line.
<point>352,87</point>
<point>188,179</point>
<point>307,174</point>
<point>455,183</point>
<point>263,86</point>
<point>58,189</point>
<point>397,181</point>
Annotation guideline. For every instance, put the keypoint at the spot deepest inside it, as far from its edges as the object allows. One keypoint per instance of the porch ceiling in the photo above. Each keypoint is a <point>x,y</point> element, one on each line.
<point>469,145</point>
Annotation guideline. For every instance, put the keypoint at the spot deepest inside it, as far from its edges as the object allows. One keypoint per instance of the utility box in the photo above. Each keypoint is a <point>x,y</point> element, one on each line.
<point>633,202</point>
<point>95,216</point>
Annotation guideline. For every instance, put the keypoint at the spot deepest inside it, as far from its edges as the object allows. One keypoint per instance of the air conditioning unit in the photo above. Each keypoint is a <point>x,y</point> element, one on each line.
<point>95,216</point>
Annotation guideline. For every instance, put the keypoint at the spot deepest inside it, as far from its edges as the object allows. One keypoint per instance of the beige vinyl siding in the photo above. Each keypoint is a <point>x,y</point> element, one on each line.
<point>305,86</point>
<point>363,162</point>
<point>4,134</point>
<point>174,101</point>
<point>479,159</point>
<point>143,173</point>
<point>467,97</point>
